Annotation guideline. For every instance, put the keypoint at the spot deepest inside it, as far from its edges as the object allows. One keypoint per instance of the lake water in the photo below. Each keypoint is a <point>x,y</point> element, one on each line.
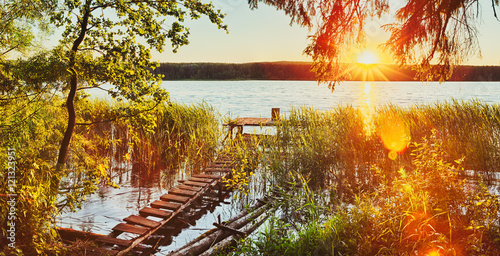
<point>108,207</point>
<point>256,98</point>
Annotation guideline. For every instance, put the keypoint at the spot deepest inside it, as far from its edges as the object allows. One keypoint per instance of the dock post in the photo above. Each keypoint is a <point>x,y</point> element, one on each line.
<point>275,114</point>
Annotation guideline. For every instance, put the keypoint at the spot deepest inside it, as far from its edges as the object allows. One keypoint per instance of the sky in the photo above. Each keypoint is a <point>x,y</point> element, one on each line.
<point>265,34</point>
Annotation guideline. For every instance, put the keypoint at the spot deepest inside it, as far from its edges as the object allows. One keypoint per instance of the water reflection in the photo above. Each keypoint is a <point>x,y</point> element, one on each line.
<point>367,107</point>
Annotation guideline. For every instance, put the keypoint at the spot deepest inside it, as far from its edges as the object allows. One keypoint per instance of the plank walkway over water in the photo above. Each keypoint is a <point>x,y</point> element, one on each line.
<point>169,206</point>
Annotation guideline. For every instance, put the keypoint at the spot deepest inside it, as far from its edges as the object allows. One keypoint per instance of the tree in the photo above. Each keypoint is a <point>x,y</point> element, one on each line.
<point>442,33</point>
<point>104,42</point>
<point>18,20</point>
<point>101,44</point>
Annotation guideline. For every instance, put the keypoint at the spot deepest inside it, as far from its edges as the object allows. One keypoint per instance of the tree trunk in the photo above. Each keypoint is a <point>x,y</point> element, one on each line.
<point>70,106</point>
<point>70,101</point>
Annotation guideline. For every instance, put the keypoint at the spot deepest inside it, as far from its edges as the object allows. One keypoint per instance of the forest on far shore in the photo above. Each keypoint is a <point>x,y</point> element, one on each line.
<point>301,71</point>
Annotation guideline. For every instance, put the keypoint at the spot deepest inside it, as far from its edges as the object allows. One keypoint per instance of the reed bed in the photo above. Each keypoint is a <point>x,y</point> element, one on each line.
<point>336,148</point>
<point>398,186</point>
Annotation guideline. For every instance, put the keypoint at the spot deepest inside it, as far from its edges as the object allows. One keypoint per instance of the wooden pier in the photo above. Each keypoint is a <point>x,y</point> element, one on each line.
<point>162,211</point>
<point>177,200</point>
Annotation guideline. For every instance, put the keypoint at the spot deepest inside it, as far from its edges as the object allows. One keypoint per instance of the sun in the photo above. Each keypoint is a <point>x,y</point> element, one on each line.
<point>367,57</point>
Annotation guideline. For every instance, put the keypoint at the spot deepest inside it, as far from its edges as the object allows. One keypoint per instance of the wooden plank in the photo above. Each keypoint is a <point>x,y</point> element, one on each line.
<point>207,176</point>
<point>174,198</point>
<point>201,180</point>
<point>148,211</point>
<point>122,227</point>
<point>211,170</point>
<point>112,240</point>
<point>250,121</point>
<point>182,192</point>
<point>141,221</point>
<point>191,188</point>
<point>193,183</point>
<point>220,165</point>
<point>166,205</point>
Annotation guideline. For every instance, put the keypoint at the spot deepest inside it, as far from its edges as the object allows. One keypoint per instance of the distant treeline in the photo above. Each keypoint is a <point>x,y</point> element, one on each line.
<point>301,71</point>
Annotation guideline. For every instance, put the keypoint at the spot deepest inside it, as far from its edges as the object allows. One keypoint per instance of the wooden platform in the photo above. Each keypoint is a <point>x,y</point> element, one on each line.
<point>167,208</point>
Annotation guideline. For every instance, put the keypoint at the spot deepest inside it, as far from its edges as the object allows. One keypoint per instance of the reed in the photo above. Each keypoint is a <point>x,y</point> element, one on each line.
<point>182,135</point>
<point>425,209</point>
<point>334,149</point>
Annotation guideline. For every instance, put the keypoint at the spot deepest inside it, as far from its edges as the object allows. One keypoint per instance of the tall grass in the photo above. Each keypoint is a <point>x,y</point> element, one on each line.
<point>181,133</point>
<point>334,149</point>
<point>425,209</point>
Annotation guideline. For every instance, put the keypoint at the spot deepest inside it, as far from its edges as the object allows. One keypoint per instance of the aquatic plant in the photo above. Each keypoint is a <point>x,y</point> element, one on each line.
<point>424,210</point>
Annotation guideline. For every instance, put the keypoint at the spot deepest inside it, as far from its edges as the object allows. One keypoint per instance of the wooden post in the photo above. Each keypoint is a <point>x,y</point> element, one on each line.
<point>275,114</point>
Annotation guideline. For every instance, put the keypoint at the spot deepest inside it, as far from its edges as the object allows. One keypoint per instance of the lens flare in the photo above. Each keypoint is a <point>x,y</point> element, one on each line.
<point>434,253</point>
<point>395,135</point>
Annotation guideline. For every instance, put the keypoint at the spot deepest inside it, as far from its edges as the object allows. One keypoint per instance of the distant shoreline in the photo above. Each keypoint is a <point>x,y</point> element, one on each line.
<point>300,71</point>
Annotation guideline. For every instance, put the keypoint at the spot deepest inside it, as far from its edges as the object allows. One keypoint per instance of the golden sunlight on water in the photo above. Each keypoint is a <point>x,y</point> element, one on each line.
<point>368,107</point>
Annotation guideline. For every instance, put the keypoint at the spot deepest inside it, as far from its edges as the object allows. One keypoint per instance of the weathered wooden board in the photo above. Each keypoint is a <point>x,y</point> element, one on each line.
<point>174,198</point>
<point>221,170</point>
<point>204,180</point>
<point>191,188</point>
<point>112,240</point>
<point>166,205</point>
<point>207,176</point>
<point>141,221</point>
<point>214,165</point>
<point>122,227</point>
<point>193,183</point>
<point>226,162</point>
<point>182,192</point>
<point>250,121</point>
<point>148,211</point>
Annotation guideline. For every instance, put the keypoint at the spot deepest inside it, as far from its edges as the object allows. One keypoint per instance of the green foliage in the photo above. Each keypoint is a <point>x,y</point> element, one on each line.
<point>428,208</point>
<point>33,132</point>
<point>425,210</point>
<point>113,44</point>
<point>18,19</point>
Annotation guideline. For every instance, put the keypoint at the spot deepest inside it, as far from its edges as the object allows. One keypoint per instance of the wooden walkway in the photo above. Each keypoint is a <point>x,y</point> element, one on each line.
<point>168,207</point>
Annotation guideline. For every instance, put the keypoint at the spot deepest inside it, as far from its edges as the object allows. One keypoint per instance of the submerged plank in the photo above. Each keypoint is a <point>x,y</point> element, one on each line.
<point>141,221</point>
<point>155,212</point>
<point>166,205</point>
<point>112,240</point>
<point>174,198</point>
<point>182,192</point>
<point>122,227</point>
